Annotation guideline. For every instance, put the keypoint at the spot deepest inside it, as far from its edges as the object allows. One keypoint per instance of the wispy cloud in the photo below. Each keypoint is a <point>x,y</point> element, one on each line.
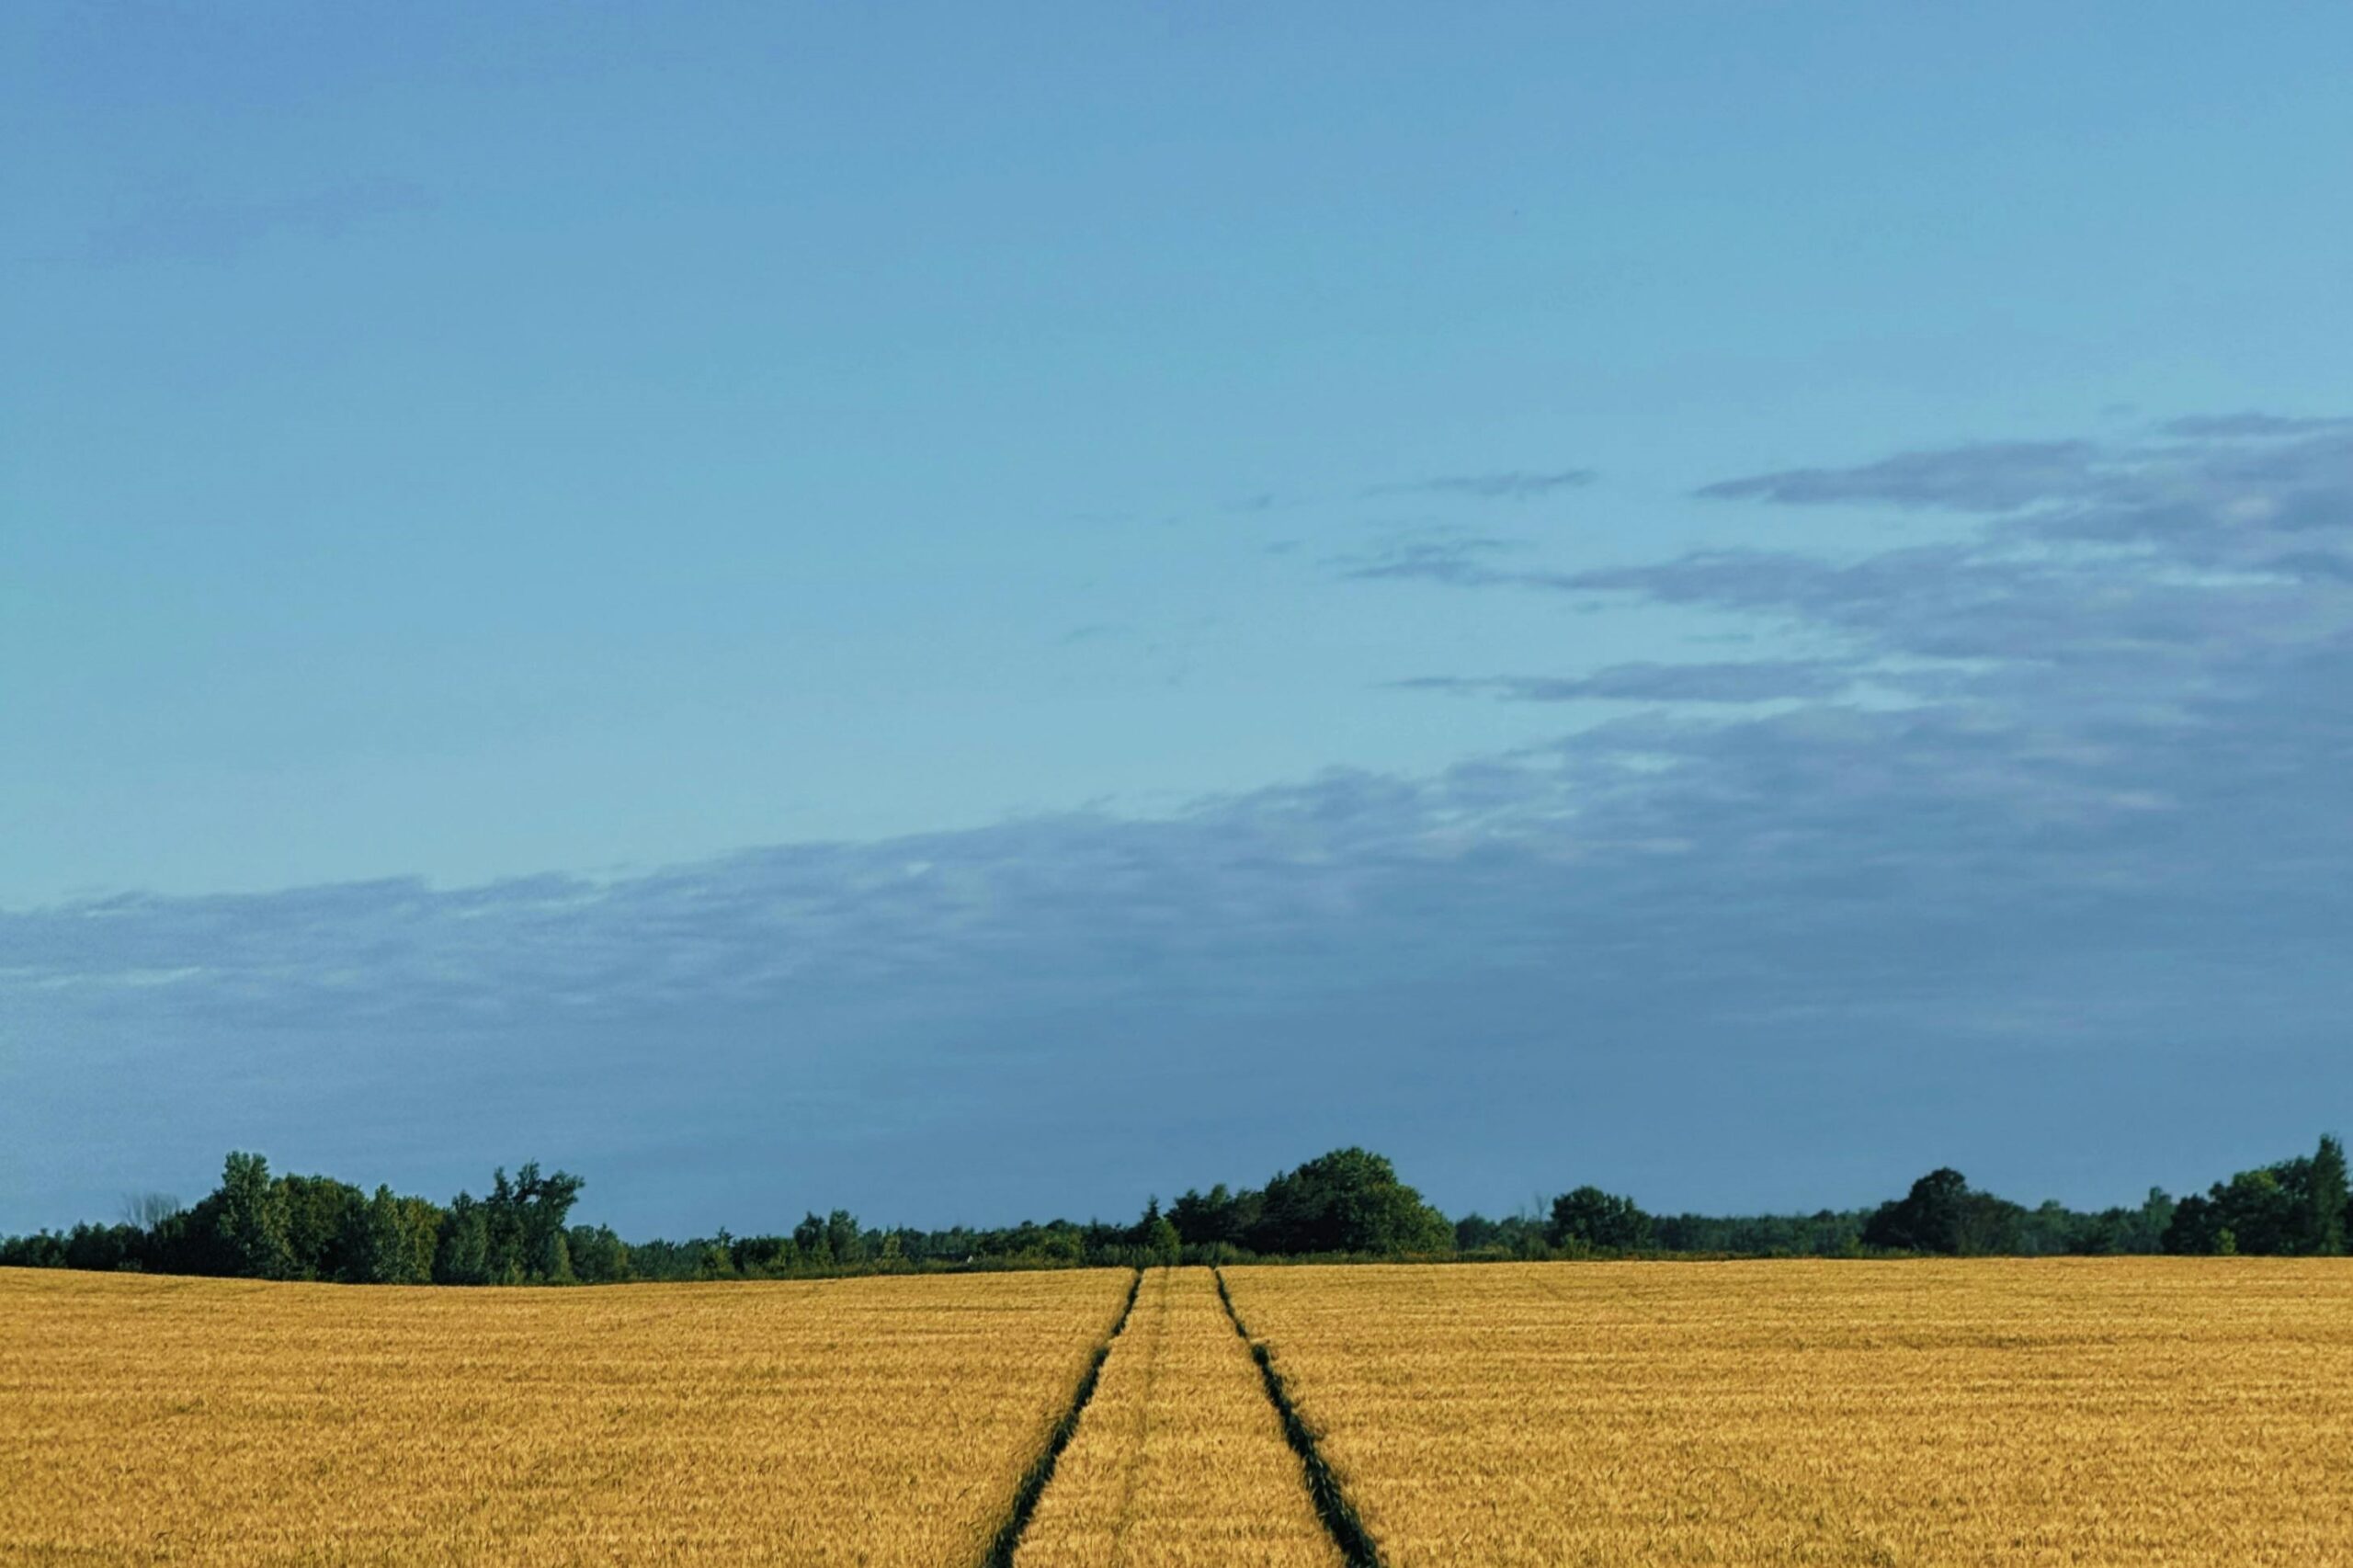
<point>2231,426</point>
<point>1762,680</point>
<point>1510,485</point>
<point>1452,555</point>
<point>2103,851</point>
<point>1994,477</point>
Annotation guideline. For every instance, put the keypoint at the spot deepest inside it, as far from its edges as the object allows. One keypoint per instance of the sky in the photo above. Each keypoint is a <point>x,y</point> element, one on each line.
<point>980,612</point>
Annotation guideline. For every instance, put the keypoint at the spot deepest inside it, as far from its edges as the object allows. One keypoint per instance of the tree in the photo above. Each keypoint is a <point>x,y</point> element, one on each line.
<point>397,1240</point>
<point>1348,1200</point>
<point>2295,1208</point>
<point>2148,1226</point>
<point>843,1238</point>
<point>1943,1214</point>
<point>2326,1207</point>
<point>253,1222</point>
<point>2267,1211</point>
<point>102,1247</point>
<point>551,1262</point>
<point>524,1225</point>
<point>2195,1229</point>
<point>598,1256</point>
<point>324,1221</point>
<point>2264,1209</point>
<point>1596,1220</point>
<point>1156,1235</point>
<point>754,1258</point>
<point>1219,1219</point>
<point>2116,1231</point>
<point>193,1241</point>
<point>461,1256</point>
<point>502,1215</point>
<point>546,1204</point>
<point>809,1236</point>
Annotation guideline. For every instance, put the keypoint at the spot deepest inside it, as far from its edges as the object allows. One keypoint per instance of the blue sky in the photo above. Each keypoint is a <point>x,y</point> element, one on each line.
<point>981,611</point>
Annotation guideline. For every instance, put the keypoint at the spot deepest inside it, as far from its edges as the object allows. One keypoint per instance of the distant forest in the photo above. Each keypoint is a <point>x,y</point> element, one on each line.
<point>1345,1206</point>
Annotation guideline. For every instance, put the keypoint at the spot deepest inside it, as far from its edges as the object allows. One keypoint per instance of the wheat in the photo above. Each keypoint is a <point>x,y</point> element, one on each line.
<point>2143,1412</point>
<point>1179,1461</point>
<point>882,1421</point>
<point>2060,1411</point>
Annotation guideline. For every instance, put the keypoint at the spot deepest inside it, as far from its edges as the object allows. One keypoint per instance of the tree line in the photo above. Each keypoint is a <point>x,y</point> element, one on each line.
<point>258,1226</point>
<point>1348,1204</point>
<point>2297,1208</point>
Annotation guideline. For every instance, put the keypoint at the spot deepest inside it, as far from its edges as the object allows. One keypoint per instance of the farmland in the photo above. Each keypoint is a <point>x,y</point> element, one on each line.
<point>1179,1460</point>
<point>1982,1411</point>
<point>879,1421</point>
<point>2175,1411</point>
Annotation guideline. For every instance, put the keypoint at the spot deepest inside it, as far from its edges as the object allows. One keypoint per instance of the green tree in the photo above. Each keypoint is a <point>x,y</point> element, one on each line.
<point>253,1220</point>
<point>524,1222</point>
<point>551,1262</point>
<point>1594,1220</point>
<point>2195,1225</point>
<point>1156,1235</point>
<point>462,1254</point>
<point>1219,1218</point>
<point>1348,1200</point>
<point>397,1240</point>
<point>2116,1231</point>
<point>502,1213</point>
<point>547,1203</point>
<point>2325,1200</point>
<point>810,1237</point>
<point>843,1238</point>
<point>324,1221</point>
<point>2295,1208</point>
<point>599,1257</point>
<point>1943,1213</point>
<point>2262,1211</point>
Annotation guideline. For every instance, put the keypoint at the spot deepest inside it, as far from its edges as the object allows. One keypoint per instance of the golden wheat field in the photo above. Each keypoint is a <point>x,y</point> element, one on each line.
<point>2110,1412</point>
<point>882,1421</point>
<point>1981,1412</point>
<point>1179,1461</point>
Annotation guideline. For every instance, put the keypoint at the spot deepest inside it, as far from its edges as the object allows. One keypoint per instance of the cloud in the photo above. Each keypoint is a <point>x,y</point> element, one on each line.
<point>1439,555</point>
<point>2078,906</point>
<point>1762,680</point>
<point>2248,425</point>
<point>1991,477</point>
<point>2089,555</point>
<point>1511,485</point>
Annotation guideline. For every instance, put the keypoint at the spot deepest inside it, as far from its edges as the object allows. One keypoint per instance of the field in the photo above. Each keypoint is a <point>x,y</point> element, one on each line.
<point>873,1421</point>
<point>2125,1411</point>
<point>1179,1460</point>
